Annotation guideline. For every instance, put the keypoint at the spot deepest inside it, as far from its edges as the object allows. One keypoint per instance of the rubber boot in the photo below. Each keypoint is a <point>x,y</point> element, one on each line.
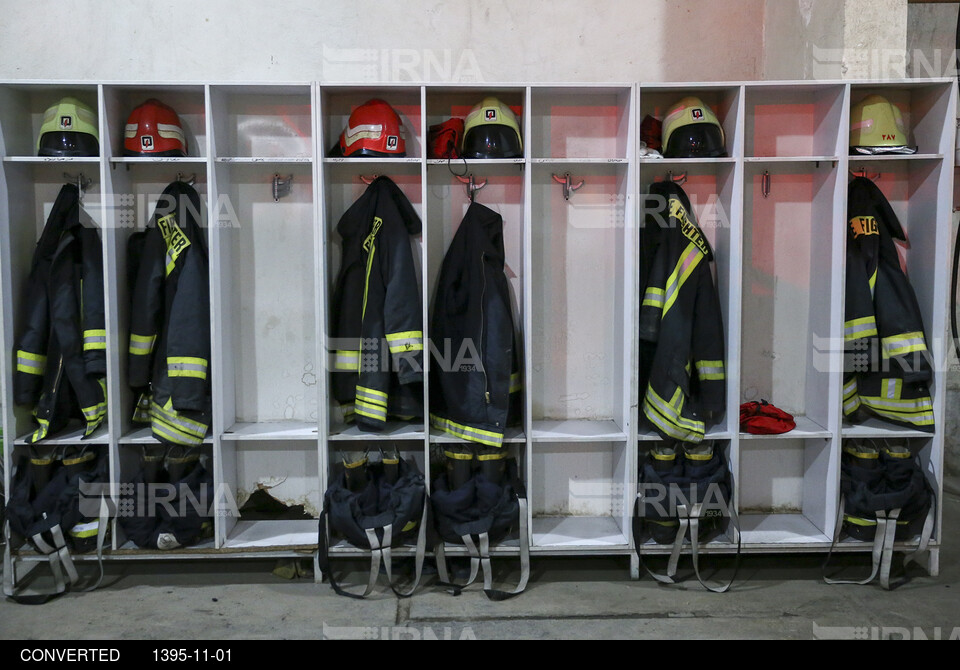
<point>152,462</point>
<point>459,464</point>
<point>663,459</point>
<point>860,456</point>
<point>355,469</point>
<point>41,470</point>
<point>390,457</point>
<point>179,467</point>
<point>79,460</point>
<point>493,463</point>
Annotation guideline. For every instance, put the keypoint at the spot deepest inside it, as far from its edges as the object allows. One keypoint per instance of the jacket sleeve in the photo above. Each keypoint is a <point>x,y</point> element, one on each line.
<point>651,306</point>
<point>146,311</point>
<point>92,304</point>
<point>31,348</point>
<point>900,326</point>
<point>402,317</point>
<point>188,336</point>
<point>708,344</point>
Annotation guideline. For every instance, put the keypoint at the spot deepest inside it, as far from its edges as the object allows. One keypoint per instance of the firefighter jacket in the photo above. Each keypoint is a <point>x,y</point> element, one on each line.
<point>475,379</point>
<point>169,353</point>
<point>681,326</point>
<point>376,319</point>
<point>887,366</point>
<point>61,349</point>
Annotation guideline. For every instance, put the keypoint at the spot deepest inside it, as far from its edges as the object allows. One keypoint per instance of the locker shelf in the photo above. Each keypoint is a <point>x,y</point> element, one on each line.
<point>145,436</point>
<point>74,436</point>
<point>577,431</point>
<point>780,529</point>
<point>52,159</point>
<point>393,431</point>
<point>806,427</point>
<point>577,532</point>
<point>272,430</point>
<point>877,428</point>
<point>266,534</point>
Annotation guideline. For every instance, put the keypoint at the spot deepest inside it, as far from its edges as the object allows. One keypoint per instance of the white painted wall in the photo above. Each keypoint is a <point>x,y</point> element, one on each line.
<point>336,40</point>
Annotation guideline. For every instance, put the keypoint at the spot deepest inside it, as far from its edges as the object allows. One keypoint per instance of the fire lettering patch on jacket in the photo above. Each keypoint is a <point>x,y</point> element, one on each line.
<point>689,230</point>
<point>864,225</point>
<point>174,237</point>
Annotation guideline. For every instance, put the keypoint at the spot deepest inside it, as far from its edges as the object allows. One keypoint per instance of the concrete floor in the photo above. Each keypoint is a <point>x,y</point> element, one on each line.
<point>774,597</point>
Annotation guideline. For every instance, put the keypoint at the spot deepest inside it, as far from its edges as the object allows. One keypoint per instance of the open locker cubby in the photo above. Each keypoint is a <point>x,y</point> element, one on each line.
<point>579,495</point>
<point>723,100</point>
<point>578,389</point>
<point>788,121</point>
<point>721,539</point>
<point>572,265</point>
<point>715,200</point>
<point>787,290</point>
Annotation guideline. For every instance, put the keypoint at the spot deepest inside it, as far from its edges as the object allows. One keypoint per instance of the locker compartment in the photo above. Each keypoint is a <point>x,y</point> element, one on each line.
<point>581,123</point>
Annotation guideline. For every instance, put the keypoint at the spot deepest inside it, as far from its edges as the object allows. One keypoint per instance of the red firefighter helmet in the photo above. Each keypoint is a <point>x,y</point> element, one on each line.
<point>374,129</point>
<point>154,129</point>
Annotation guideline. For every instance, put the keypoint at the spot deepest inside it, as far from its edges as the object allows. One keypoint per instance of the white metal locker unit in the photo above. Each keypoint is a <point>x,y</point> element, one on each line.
<point>571,264</point>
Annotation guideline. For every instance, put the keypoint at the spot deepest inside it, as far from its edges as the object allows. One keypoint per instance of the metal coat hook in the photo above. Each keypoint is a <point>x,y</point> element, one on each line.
<point>368,180</point>
<point>82,182</point>
<point>189,181</point>
<point>472,185</point>
<point>862,172</point>
<point>281,186</point>
<point>765,184</point>
<point>568,185</point>
<point>679,180</point>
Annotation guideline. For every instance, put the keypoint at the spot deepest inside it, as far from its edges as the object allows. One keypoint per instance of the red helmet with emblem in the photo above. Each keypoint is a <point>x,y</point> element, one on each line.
<point>374,129</point>
<point>154,129</point>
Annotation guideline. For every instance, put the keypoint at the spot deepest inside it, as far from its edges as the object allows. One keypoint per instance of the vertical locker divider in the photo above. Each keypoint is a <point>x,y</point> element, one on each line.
<point>526,309</point>
<point>633,443</point>
<point>7,419</point>
<point>425,287</point>
<point>625,304</point>
<point>224,403</point>
<point>112,259</point>
<point>735,297</point>
<point>320,273</point>
<point>835,335</point>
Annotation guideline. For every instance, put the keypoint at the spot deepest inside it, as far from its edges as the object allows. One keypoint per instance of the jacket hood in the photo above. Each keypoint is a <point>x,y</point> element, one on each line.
<point>360,212</point>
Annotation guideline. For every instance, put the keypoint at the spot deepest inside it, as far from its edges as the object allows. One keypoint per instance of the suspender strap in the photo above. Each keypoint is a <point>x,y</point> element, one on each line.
<point>696,513</point>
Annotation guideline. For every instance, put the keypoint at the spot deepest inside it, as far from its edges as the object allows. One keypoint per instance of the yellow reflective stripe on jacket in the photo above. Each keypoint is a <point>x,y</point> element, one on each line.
<point>171,434</point>
<point>898,345</point>
<point>653,297</point>
<point>710,370</point>
<point>366,281</point>
<point>373,395</point>
<point>908,406</point>
<point>685,266</point>
<point>873,282</point>
<point>370,410</point>
<point>94,339</point>
<point>487,437</point>
<point>667,427</point>
<point>851,401</point>
<point>346,360</point>
<point>915,418</point>
<point>187,366</point>
<point>32,364</point>
<point>408,340</point>
<point>516,382</point>
<point>672,410</point>
<point>40,432</point>
<point>347,409</point>
<point>171,417</point>
<point>142,345</point>
<point>854,329</point>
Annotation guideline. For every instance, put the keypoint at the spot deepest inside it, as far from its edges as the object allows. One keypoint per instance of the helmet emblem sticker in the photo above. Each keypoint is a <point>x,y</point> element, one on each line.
<point>491,115</point>
<point>146,142</point>
<point>66,122</point>
<point>697,113</point>
<point>392,141</point>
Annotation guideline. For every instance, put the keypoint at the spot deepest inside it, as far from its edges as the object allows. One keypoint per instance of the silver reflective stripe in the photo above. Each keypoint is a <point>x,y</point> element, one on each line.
<point>891,385</point>
<point>850,332</point>
<point>372,411</point>
<point>187,366</point>
<point>402,344</point>
<point>369,397</point>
